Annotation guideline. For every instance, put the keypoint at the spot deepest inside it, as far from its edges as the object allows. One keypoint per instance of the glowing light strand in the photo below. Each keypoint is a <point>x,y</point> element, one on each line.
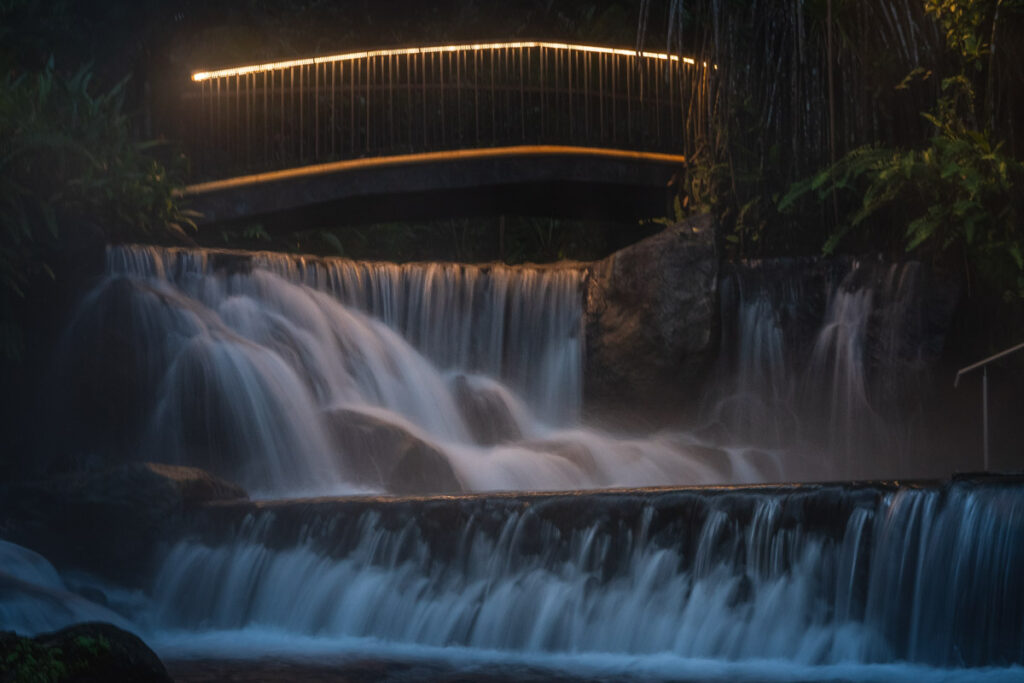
<point>349,56</point>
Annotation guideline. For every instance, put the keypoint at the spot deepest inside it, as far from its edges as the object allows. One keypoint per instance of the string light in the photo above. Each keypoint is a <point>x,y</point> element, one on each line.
<point>349,56</point>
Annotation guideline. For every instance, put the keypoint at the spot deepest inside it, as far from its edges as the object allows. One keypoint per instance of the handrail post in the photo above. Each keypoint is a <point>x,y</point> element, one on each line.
<point>983,365</point>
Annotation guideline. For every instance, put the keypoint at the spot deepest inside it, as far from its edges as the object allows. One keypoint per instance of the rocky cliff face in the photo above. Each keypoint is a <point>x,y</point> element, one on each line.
<point>651,318</point>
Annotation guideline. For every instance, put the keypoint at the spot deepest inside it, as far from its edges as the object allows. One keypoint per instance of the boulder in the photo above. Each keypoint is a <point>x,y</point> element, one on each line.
<point>84,653</point>
<point>486,412</point>
<point>388,455</point>
<point>651,316</point>
<point>108,522</point>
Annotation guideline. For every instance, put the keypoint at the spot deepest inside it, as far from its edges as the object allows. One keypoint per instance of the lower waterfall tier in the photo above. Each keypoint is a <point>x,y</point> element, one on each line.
<point>811,575</point>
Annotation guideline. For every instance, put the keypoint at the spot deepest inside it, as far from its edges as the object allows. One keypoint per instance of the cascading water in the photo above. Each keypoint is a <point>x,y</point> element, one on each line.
<point>301,375</point>
<point>297,375</point>
<point>827,362</point>
<point>817,577</point>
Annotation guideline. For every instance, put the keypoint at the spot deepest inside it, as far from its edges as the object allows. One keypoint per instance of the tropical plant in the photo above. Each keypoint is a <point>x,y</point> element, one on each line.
<point>69,161</point>
<point>958,194</point>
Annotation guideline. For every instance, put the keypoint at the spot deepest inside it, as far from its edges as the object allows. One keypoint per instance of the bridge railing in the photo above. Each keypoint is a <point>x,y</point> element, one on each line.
<point>272,116</point>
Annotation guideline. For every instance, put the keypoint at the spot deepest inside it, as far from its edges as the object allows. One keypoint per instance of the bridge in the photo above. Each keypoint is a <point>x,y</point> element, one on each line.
<point>524,127</point>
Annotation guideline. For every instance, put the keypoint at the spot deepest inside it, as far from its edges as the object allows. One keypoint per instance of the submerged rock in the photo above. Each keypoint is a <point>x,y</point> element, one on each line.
<point>84,653</point>
<point>386,454</point>
<point>651,316</point>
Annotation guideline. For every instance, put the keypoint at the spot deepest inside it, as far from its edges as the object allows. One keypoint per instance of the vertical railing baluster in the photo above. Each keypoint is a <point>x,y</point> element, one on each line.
<point>302,127</point>
<point>494,102</point>
<point>615,98</point>
<point>629,103</point>
<point>334,110</point>
<point>476,94</point>
<point>217,147</point>
<point>543,94</point>
<point>408,91</point>
<point>586,96</point>
<point>444,94</point>
<point>522,94</point>
<point>266,116</point>
<point>250,89</point>
<point>391,102</point>
<point>368,123</point>
<point>316,112</point>
<point>233,125</point>
<point>423,89</point>
<point>353,83</point>
<point>555,93</point>
<point>201,132</point>
<point>458,99</point>
<point>657,104</point>
<point>600,96</point>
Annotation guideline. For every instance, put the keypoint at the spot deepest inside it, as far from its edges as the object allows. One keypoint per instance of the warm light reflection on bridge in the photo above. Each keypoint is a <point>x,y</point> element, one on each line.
<point>412,100</point>
<point>349,56</point>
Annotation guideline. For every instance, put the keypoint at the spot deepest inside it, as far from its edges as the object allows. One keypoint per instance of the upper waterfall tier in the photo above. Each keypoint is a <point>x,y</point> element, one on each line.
<point>302,375</point>
<point>520,325</point>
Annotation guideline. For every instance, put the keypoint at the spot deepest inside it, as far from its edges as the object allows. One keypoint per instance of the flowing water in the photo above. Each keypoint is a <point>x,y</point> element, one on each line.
<point>830,364</point>
<point>299,376</point>
<point>814,583</point>
<point>814,577</point>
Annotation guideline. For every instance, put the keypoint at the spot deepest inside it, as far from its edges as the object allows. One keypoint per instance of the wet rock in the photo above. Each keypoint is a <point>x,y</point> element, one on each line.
<point>84,653</point>
<point>104,380</point>
<point>486,412</point>
<point>385,454</point>
<point>651,316</point>
<point>194,485</point>
<point>109,522</point>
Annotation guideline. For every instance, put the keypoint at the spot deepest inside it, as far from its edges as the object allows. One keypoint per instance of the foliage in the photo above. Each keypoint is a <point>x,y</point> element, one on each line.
<point>68,160</point>
<point>28,661</point>
<point>957,194</point>
<point>965,23</point>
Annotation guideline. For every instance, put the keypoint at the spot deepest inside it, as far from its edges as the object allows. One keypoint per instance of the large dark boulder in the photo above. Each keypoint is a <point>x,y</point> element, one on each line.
<point>109,522</point>
<point>652,318</point>
<point>92,652</point>
<point>383,454</point>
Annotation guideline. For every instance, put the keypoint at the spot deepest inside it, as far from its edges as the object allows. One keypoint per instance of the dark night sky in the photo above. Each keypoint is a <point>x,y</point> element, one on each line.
<point>154,35</point>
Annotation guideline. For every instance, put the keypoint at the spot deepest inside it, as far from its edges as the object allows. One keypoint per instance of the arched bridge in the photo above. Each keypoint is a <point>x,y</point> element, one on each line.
<point>520,127</point>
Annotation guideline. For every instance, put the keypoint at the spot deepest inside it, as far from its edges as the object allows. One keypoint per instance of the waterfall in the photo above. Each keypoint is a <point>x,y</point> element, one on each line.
<point>297,375</point>
<point>815,577</point>
<point>829,361</point>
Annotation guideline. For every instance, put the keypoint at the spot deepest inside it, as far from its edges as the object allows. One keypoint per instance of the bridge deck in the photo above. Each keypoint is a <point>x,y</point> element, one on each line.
<point>582,182</point>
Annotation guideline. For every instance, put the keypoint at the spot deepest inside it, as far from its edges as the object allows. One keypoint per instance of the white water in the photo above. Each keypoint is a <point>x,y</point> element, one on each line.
<point>914,584</point>
<point>326,376</point>
<point>930,577</point>
<point>296,375</point>
<point>909,585</point>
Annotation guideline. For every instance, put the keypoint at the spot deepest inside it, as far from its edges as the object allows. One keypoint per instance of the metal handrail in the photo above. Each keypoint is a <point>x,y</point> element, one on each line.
<point>983,364</point>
